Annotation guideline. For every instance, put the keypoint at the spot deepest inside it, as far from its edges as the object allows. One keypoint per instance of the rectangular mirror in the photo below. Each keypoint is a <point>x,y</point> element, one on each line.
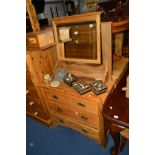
<point>78,38</point>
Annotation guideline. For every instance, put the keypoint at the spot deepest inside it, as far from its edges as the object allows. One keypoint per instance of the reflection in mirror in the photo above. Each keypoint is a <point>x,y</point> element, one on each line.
<point>78,40</point>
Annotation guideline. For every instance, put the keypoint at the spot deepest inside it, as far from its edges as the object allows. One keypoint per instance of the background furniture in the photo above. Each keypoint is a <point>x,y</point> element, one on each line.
<point>34,102</point>
<point>114,10</point>
<point>54,8</point>
<point>117,11</point>
<point>116,113</point>
<point>39,61</point>
<point>91,5</point>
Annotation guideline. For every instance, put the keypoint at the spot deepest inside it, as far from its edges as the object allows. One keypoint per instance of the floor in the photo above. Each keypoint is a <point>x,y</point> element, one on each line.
<point>58,140</point>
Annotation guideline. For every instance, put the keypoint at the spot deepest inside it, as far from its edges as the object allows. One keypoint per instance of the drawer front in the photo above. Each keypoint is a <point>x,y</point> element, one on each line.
<point>71,101</point>
<point>83,129</point>
<point>37,114</point>
<point>81,116</point>
<point>31,92</point>
<point>28,79</point>
<point>32,103</point>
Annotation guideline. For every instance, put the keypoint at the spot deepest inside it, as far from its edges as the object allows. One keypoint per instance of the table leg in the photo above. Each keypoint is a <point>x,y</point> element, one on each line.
<point>123,142</point>
<point>115,133</point>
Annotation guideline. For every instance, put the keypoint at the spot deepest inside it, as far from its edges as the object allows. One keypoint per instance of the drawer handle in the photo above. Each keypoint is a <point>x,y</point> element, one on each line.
<point>31,103</point>
<point>27,91</point>
<point>58,109</point>
<point>83,130</point>
<point>55,97</point>
<point>61,121</point>
<point>36,113</point>
<point>124,89</point>
<point>81,104</point>
<point>83,117</point>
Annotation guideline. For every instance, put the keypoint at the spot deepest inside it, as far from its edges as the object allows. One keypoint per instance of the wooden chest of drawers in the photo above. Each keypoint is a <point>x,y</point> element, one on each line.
<point>83,113</point>
<point>83,129</point>
<point>80,112</point>
<point>34,105</point>
<point>38,63</point>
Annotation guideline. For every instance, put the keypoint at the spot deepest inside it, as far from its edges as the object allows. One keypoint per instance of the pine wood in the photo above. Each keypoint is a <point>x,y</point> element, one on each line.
<point>38,63</point>
<point>32,103</point>
<point>67,100</point>
<point>78,19</point>
<point>74,100</point>
<point>63,101</point>
<point>103,70</point>
<point>80,115</point>
<point>33,17</point>
<point>83,129</point>
<point>107,47</point>
<point>63,104</point>
<point>42,39</point>
<point>118,43</point>
<point>41,62</point>
<point>35,107</point>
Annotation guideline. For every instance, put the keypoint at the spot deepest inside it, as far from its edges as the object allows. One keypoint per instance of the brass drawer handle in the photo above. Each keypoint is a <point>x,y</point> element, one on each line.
<point>83,117</point>
<point>58,109</point>
<point>81,104</point>
<point>31,103</point>
<point>61,121</point>
<point>36,113</point>
<point>83,130</point>
<point>55,97</point>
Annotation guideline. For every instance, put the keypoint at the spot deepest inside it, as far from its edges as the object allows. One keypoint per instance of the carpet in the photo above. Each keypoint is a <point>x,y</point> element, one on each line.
<point>59,140</point>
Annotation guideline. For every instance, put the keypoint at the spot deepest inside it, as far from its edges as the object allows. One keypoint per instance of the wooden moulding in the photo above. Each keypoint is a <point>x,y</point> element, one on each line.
<point>78,19</point>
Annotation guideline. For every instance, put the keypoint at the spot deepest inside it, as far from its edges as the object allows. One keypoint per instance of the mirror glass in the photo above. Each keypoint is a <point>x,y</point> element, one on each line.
<point>78,40</point>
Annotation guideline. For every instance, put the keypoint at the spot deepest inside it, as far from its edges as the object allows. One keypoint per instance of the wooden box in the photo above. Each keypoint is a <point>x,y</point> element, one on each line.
<point>41,39</point>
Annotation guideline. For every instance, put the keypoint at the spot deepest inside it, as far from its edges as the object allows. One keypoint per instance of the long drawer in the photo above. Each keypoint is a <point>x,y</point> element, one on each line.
<point>31,91</point>
<point>28,78</point>
<point>32,103</point>
<point>83,129</point>
<point>80,115</point>
<point>71,101</point>
<point>37,113</point>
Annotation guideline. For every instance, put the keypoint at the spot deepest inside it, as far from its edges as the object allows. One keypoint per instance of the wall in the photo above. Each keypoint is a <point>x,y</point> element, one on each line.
<point>61,10</point>
<point>54,8</point>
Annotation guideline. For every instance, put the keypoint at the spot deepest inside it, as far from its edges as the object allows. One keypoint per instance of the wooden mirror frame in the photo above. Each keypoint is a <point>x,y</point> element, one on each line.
<point>78,19</point>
